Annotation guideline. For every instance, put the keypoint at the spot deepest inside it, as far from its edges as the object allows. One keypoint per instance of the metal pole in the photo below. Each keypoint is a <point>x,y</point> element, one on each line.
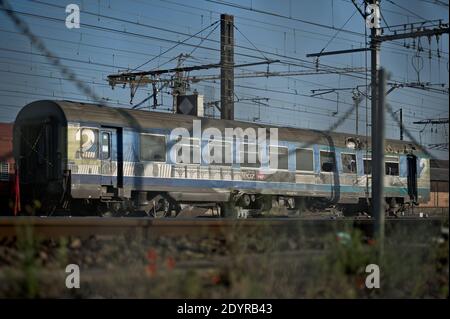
<point>401,124</point>
<point>356,100</point>
<point>378,203</point>
<point>357,116</point>
<point>227,66</point>
<point>378,91</point>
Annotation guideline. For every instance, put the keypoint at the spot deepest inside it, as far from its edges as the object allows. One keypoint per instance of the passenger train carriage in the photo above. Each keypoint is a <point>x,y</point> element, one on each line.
<point>73,155</point>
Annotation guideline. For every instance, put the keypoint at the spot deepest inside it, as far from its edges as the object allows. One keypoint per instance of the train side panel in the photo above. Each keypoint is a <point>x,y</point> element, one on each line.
<point>194,181</point>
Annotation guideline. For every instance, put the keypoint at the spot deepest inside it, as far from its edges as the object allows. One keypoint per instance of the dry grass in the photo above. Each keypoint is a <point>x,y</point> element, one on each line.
<point>262,264</point>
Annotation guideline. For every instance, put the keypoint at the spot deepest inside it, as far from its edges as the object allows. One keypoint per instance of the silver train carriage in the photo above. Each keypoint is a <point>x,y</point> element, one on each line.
<point>73,155</point>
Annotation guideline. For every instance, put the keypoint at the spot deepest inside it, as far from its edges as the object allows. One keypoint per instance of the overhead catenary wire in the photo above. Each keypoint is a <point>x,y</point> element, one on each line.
<point>242,7</point>
<point>21,25</point>
<point>406,9</point>
<point>155,27</point>
<point>300,94</point>
<point>337,32</point>
<point>303,62</point>
<point>393,44</point>
<point>289,63</point>
<point>408,133</point>
<point>192,51</point>
<point>234,26</point>
<point>419,106</point>
<point>174,46</point>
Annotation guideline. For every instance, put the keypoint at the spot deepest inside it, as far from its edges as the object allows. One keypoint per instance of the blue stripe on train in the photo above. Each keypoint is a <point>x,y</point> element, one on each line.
<point>199,183</point>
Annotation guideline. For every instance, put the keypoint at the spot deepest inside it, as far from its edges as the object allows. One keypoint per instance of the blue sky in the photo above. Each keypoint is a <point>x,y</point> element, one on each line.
<point>117,35</point>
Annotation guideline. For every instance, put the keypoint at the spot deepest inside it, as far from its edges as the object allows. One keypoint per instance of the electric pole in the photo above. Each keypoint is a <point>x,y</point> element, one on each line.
<point>356,99</point>
<point>227,67</point>
<point>378,114</point>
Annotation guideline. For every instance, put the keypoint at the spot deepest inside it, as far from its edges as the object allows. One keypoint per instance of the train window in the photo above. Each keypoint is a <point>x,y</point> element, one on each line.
<point>283,156</point>
<point>89,143</point>
<point>226,156</point>
<point>348,163</point>
<point>153,148</point>
<point>391,166</point>
<point>327,161</point>
<point>248,155</point>
<point>304,159</point>
<point>193,147</point>
<point>106,144</point>
<point>4,171</point>
<point>367,166</point>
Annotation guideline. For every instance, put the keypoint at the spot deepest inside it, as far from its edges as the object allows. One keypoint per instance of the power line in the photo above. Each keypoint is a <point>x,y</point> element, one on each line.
<point>177,44</point>
<point>60,96</point>
<point>287,62</point>
<point>408,133</point>
<point>284,62</point>
<point>25,52</point>
<point>123,103</point>
<point>406,9</point>
<point>337,32</point>
<point>91,45</point>
<point>160,28</point>
<point>401,48</point>
<point>389,10</point>
<point>437,2</point>
<point>21,25</point>
<point>238,6</point>
<point>241,7</point>
<point>234,25</point>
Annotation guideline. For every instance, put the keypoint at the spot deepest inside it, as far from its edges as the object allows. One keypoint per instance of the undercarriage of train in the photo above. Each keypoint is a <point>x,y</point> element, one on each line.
<point>238,205</point>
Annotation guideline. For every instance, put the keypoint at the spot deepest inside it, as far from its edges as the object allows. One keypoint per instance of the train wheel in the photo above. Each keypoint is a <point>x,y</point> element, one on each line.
<point>228,210</point>
<point>245,201</point>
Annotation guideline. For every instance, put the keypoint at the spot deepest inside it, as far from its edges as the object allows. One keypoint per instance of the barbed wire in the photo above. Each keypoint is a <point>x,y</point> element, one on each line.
<point>53,19</point>
<point>24,28</point>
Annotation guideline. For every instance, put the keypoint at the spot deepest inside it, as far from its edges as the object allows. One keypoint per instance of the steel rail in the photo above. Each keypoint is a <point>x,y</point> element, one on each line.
<point>100,226</point>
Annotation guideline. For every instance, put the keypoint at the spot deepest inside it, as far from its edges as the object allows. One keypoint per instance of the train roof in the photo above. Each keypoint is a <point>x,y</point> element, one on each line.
<point>145,120</point>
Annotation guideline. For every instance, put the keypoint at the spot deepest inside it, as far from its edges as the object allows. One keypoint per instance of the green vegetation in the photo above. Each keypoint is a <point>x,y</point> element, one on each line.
<point>265,263</point>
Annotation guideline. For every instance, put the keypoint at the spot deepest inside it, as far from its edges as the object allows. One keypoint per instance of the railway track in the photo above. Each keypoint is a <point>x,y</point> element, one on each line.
<point>116,261</point>
<point>101,226</point>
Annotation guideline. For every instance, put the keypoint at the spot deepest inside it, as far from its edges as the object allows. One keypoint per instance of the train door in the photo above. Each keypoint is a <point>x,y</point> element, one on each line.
<point>106,155</point>
<point>412,177</point>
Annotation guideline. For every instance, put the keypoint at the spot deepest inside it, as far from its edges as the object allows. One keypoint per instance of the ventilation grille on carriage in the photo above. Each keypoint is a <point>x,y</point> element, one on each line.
<point>4,171</point>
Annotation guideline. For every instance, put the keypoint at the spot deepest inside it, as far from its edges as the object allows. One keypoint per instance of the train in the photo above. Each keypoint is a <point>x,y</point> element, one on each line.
<point>102,160</point>
<point>7,170</point>
<point>438,203</point>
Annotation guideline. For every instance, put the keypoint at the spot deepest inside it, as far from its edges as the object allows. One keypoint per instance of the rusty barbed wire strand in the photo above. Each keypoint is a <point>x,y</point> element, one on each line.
<point>24,28</point>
